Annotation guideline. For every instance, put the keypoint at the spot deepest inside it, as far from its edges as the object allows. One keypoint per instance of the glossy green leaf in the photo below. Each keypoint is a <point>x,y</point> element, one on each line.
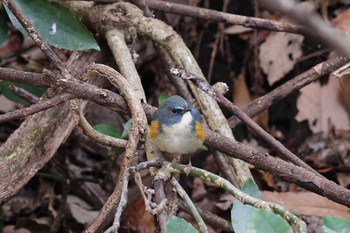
<point>335,225</point>
<point>3,30</point>
<point>7,92</point>
<point>179,225</point>
<point>107,129</point>
<point>265,221</point>
<point>56,24</point>
<point>241,214</point>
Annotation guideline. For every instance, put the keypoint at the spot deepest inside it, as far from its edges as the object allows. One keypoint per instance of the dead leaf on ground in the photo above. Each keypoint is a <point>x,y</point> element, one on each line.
<point>225,201</point>
<point>80,210</point>
<point>6,105</point>
<point>139,219</point>
<point>320,104</point>
<point>342,21</point>
<point>278,54</point>
<point>12,229</point>
<point>343,179</point>
<point>307,203</point>
<point>242,98</point>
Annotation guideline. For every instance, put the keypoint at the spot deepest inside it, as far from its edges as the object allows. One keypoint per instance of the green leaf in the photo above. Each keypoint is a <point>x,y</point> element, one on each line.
<point>7,92</point>
<point>241,214</point>
<point>126,130</point>
<point>161,98</point>
<point>179,225</point>
<point>107,129</point>
<point>56,24</point>
<point>3,30</point>
<point>335,225</point>
<point>204,147</point>
<point>266,221</point>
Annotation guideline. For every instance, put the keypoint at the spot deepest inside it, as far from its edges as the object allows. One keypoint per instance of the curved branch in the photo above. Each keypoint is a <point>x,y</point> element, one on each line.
<point>138,129</point>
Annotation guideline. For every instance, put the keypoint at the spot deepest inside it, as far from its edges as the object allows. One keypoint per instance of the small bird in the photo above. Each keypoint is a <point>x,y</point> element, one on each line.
<point>177,127</point>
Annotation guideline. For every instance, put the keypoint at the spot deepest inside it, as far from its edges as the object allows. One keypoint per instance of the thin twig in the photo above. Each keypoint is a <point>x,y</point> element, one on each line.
<point>264,102</point>
<point>159,198</point>
<point>221,17</point>
<point>24,94</point>
<point>246,153</point>
<point>210,218</point>
<point>32,32</point>
<point>320,29</point>
<point>189,203</point>
<point>42,105</point>
<point>138,129</point>
<point>283,151</point>
<point>238,194</point>
<point>124,191</point>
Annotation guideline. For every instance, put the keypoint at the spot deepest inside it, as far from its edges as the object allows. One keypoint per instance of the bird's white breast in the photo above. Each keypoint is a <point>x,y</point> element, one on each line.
<point>178,138</point>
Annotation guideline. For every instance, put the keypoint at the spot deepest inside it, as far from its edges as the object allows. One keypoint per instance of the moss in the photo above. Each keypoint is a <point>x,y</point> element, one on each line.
<point>36,133</point>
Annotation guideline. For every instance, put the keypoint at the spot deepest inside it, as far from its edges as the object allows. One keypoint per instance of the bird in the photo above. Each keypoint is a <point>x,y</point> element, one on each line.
<point>177,127</point>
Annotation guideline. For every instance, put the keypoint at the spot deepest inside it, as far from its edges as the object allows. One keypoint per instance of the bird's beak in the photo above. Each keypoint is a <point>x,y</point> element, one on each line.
<point>186,109</point>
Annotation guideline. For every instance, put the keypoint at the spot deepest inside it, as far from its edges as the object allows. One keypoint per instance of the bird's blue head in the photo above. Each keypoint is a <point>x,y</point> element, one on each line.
<point>172,109</point>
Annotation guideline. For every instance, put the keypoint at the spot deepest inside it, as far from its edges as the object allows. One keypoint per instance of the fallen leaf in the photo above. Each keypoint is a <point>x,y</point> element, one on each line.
<point>307,203</point>
<point>140,220</point>
<point>320,105</point>
<point>80,210</point>
<point>278,54</point>
<point>342,21</point>
<point>12,229</point>
<point>241,95</point>
<point>225,201</point>
<point>6,105</point>
<point>198,190</point>
<point>343,179</point>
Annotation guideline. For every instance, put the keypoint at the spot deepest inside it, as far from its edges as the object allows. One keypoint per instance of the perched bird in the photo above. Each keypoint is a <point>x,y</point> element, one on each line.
<point>177,127</point>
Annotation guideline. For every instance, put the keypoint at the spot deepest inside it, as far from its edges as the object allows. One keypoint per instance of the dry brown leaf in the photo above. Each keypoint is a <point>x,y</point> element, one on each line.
<point>241,95</point>
<point>307,203</point>
<point>343,179</point>
<point>280,51</point>
<point>242,98</point>
<point>342,21</point>
<point>278,54</point>
<point>6,105</point>
<point>345,91</point>
<point>198,190</point>
<point>140,220</point>
<point>320,104</point>
<point>225,201</point>
<point>13,229</point>
<point>80,210</point>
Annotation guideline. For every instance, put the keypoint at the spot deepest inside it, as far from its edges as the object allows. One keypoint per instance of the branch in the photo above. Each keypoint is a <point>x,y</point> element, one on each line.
<point>138,129</point>
<point>190,205</point>
<point>238,194</point>
<point>303,79</point>
<point>334,38</point>
<point>284,152</point>
<point>38,107</point>
<point>262,161</point>
<point>32,32</point>
<point>221,17</point>
<point>124,191</point>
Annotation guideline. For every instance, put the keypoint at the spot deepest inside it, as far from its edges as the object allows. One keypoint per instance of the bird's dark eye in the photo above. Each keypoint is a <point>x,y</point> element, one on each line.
<point>176,110</point>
